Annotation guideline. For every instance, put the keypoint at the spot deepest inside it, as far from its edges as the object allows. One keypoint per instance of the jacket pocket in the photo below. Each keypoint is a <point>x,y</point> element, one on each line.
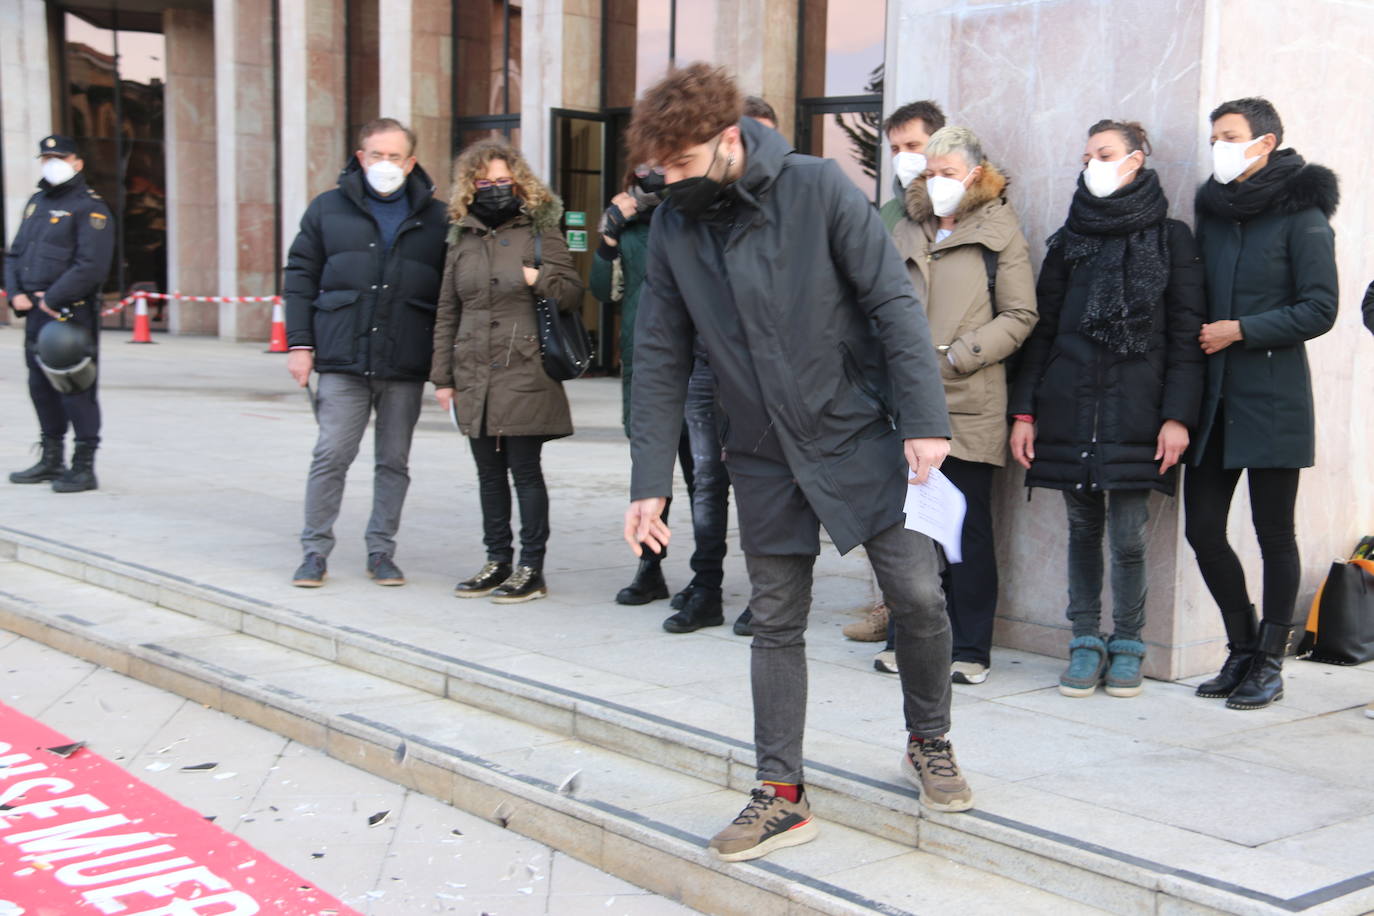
<point>413,345</point>
<point>862,387</point>
<point>336,320</point>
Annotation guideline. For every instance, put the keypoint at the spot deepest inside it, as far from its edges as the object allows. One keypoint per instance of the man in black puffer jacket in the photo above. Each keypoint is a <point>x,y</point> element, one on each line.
<point>362,283</point>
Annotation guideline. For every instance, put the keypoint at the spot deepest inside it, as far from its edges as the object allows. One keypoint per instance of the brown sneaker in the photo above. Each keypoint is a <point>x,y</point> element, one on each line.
<point>766,823</point>
<point>931,767</point>
<point>873,628</point>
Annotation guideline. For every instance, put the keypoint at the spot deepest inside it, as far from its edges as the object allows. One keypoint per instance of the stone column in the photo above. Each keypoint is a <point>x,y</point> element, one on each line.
<point>26,106</point>
<point>192,208</point>
<point>314,137</point>
<point>416,85</point>
<point>247,162</point>
<point>757,41</point>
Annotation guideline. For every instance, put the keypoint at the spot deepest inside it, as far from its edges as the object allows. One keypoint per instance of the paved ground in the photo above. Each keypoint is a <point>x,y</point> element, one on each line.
<point>208,444</point>
<point>306,810</point>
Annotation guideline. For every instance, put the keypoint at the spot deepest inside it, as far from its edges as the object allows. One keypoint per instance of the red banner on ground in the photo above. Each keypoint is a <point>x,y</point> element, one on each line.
<point>79,834</point>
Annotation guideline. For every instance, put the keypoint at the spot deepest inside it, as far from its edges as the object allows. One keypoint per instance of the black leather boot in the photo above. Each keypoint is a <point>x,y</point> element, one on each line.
<point>81,475</point>
<point>703,609</point>
<point>1264,683</point>
<point>648,584</point>
<point>50,464</point>
<point>1240,640</point>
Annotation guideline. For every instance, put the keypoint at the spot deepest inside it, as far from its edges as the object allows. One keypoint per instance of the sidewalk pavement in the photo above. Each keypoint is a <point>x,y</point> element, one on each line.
<point>202,476</point>
<point>306,810</point>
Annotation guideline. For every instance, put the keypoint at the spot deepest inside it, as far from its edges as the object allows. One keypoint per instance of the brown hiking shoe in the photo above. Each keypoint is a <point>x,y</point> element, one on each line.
<point>931,767</point>
<point>767,823</point>
<point>873,628</point>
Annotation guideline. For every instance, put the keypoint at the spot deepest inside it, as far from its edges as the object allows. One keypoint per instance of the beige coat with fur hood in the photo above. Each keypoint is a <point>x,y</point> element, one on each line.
<point>952,279</point>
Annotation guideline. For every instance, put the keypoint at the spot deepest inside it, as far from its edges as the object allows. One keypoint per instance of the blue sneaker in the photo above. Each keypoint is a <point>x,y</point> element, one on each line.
<point>1087,662</point>
<point>1123,674</point>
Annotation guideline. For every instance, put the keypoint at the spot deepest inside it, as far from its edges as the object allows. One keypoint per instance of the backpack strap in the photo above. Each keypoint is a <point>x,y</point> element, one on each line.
<point>539,249</point>
<point>990,265</point>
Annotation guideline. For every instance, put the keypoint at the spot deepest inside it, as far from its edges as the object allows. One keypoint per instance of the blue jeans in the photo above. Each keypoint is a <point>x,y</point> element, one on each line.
<point>710,488</point>
<point>1123,513</point>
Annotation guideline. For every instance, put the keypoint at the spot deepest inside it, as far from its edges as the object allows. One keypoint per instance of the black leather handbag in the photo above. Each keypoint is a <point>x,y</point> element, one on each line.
<point>562,336</point>
<point>1340,630</point>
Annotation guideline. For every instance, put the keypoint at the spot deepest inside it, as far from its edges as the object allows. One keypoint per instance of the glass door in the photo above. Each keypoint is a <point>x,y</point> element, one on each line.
<point>581,176</point>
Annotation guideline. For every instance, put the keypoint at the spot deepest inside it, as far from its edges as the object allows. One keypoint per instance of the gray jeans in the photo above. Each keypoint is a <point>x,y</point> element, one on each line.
<point>907,566</point>
<point>345,404</point>
<point>1123,513</point>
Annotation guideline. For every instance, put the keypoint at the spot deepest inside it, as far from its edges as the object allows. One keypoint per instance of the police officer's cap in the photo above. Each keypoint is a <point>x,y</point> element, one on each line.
<point>57,145</point>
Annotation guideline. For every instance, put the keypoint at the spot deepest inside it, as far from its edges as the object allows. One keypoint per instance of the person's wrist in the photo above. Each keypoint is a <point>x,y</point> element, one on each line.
<point>1023,418</point>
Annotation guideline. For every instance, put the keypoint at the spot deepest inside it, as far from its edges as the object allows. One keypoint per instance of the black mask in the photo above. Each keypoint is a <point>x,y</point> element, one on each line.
<point>652,183</point>
<point>693,197</point>
<point>495,205</point>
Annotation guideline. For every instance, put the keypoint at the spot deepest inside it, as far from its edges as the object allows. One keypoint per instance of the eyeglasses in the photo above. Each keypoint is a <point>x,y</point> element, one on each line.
<point>494,183</point>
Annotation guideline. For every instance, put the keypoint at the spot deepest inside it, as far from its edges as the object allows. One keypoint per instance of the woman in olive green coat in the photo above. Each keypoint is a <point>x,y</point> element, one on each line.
<point>487,366</point>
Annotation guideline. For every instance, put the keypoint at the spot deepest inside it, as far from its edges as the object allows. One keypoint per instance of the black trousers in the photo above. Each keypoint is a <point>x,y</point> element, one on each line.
<point>57,411</point>
<point>971,586</point>
<point>501,461</point>
<point>1208,488</point>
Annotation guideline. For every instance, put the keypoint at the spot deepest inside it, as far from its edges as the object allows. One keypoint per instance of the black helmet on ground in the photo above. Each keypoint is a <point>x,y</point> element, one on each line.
<point>66,354</point>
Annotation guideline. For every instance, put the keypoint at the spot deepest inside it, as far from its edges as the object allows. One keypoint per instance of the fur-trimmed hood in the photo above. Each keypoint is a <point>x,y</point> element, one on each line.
<point>991,185</point>
<point>1312,186</point>
<point>543,217</point>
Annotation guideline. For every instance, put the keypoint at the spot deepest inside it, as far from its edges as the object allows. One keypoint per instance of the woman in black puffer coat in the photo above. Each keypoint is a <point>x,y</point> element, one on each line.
<point>1109,387</point>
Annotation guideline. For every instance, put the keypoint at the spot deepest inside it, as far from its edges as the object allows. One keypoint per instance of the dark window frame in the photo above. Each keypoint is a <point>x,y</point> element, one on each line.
<point>506,122</point>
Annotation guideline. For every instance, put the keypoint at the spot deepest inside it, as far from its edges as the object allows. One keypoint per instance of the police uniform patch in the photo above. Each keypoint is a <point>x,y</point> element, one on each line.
<point>98,220</point>
<point>28,211</point>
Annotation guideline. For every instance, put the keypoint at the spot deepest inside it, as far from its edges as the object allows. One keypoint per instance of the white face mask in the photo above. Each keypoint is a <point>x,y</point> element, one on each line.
<point>57,171</point>
<point>908,167</point>
<point>1104,178</point>
<point>385,177</point>
<point>1229,161</point>
<point>945,193</point>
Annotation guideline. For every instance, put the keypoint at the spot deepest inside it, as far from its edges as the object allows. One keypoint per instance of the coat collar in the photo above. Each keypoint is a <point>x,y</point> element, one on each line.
<point>1312,186</point>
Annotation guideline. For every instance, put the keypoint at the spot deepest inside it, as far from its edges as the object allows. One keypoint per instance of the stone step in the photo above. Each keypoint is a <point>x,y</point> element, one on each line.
<point>846,787</point>
<point>644,821</point>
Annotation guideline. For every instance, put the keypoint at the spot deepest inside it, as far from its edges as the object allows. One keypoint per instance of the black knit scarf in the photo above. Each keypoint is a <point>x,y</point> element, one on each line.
<point>1121,240</point>
<point>1244,200</point>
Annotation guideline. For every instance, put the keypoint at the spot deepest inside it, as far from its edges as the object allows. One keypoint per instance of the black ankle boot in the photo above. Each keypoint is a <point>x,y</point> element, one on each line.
<point>1240,635</point>
<point>50,464</point>
<point>648,584</point>
<point>703,609</point>
<point>81,475</point>
<point>1264,682</point>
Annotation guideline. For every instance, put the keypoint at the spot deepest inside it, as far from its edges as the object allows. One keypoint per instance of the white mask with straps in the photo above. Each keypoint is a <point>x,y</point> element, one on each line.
<point>57,171</point>
<point>1103,178</point>
<point>908,167</point>
<point>1229,161</point>
<point>385,177</point>
<point>945,193</point>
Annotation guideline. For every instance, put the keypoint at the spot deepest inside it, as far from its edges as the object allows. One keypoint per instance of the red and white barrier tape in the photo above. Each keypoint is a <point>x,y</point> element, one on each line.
<point>133,297</point>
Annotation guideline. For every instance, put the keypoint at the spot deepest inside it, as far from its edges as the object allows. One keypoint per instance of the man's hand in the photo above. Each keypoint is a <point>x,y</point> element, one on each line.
<point>924,454</point>
<point>1173,442</point>
<point>43,305</point>
<point>644,526</point>
<point>300,363</point>
<point>445,398</point>
<point>531,275</point>
<point>21,303</point>
<point>1023,443</point>
<point>1219,335</point>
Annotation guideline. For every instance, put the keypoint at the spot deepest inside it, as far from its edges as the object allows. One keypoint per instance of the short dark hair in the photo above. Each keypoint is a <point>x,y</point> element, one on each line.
<point>1132,132</point>
<point>1259,113</point>
<point>688,106</point>
<point>929,112</point>
<point>755,107</point>
<point>385,125</point>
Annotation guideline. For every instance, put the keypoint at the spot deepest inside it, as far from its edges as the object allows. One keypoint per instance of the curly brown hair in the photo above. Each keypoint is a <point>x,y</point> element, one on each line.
<point>688,106</point>
<point>472,164</point>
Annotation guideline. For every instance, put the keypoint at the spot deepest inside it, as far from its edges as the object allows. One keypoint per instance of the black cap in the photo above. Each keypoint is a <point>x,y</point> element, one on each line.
<point>57,145</point>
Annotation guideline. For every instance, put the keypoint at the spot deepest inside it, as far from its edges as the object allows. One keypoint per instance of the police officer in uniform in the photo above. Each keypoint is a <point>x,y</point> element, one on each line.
<point>53,272</point>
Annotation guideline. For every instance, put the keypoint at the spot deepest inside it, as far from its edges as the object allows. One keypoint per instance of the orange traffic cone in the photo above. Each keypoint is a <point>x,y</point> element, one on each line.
<point>143,332</point>
<point>278,344</point>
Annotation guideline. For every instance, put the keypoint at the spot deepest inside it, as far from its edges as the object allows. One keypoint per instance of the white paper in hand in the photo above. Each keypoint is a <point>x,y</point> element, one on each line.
<point>936,509</point>
<point>453,414</point>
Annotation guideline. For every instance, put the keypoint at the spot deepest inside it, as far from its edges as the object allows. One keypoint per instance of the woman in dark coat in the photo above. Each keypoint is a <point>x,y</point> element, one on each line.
<point>1262,222</point>
<point>1108,389</point>
<point>487,366</point>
